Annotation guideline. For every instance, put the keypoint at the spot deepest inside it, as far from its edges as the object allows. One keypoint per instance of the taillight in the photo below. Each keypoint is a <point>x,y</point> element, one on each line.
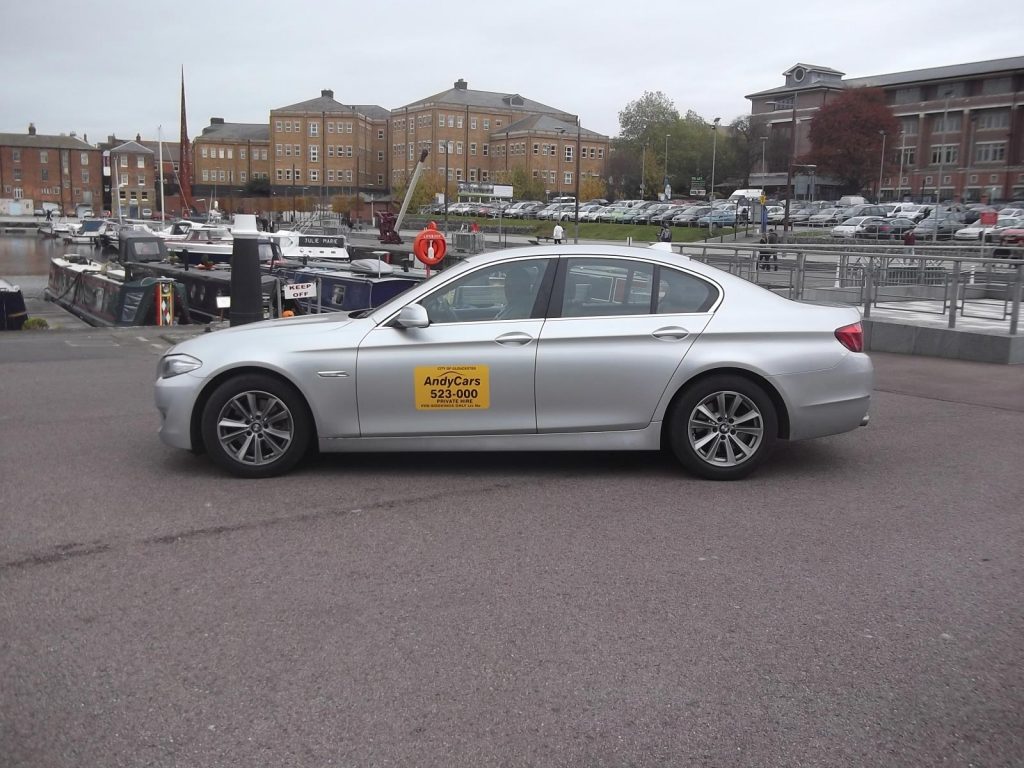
<point>851,337</point>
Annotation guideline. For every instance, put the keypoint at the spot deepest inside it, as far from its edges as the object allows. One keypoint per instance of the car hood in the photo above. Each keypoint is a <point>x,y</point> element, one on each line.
<point>246,341</point>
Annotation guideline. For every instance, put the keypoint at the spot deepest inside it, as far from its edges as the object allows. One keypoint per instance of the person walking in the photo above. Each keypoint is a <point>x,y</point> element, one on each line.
<point>763,255</point>
<point>665,234</point>
<point>773,240</point>
<point>558,233</point>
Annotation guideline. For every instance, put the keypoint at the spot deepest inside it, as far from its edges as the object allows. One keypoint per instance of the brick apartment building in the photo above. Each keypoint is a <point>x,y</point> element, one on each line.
<point>227,159</point>
<point>321,148</point>
<point>489,132</point>
<point>61,169</point>
<point>963,122</point>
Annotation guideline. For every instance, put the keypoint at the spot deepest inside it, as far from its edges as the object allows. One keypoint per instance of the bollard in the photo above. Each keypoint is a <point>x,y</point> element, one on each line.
<point>246,291</point>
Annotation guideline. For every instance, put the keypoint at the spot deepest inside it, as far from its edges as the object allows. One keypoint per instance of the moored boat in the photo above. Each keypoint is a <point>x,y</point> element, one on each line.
<point>13,313</point>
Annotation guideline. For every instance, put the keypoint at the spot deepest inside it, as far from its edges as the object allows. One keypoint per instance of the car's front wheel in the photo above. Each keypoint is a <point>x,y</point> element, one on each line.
<point>723,427</point>
<point>255,425</point>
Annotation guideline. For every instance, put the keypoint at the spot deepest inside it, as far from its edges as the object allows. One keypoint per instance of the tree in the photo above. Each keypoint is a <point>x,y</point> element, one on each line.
<point>524,187</point>
<point>592,188</point>
<point>846,137</point>
<point>643,118</point>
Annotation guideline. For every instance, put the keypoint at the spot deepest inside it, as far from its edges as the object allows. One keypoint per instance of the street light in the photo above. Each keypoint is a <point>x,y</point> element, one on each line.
<point>903,154</point>
<point>764,168</point>
<point>579,152</point>
<point>714,151</point>
<point>881,166</point>
<point>643,167</point>
<point>789,172</point>
<point>666,164</point>
<point>447,152</point>
<point>942,154</point>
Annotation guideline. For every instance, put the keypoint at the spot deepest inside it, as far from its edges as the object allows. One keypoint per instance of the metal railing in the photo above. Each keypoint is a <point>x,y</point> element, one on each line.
<point>952,281</point>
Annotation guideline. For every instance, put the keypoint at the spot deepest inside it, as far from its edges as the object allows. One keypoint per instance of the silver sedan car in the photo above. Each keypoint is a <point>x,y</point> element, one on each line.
<point>569,348</point>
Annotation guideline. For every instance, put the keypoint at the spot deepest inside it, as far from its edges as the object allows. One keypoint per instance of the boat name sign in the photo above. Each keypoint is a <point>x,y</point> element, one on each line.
<point>321,241</point>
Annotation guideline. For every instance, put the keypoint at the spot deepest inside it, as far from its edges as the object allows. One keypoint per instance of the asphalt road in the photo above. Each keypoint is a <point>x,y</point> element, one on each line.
<point>857,602</point>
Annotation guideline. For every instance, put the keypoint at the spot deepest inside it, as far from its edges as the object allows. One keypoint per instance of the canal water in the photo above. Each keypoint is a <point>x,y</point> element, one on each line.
<point>24,255</point>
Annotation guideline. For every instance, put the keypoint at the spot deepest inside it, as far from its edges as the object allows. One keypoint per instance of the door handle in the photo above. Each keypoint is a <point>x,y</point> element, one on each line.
<point>672,333</point>
<point>516,338</point>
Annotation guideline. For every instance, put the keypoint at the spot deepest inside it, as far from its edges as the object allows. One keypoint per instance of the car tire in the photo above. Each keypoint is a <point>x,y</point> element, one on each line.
<point>723,427</point>
<point>255,425</point>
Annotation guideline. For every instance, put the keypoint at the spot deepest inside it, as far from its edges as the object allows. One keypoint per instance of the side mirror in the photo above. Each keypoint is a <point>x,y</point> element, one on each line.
<point>412,316</point>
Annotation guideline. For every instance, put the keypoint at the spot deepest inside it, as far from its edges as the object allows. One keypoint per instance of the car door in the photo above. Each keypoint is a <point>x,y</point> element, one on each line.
<point>471,371</point>
<point>612,341</point>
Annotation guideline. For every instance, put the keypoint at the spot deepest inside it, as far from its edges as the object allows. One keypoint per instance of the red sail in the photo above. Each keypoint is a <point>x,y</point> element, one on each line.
<point>185,158</point>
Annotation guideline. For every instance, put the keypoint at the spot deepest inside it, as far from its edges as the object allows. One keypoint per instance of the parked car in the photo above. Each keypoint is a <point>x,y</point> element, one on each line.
<point>665,216</point>
<point>909,211</point>
<point>1010,238</point>
<point>864,210</point>
<point>977,230</point>
<point>717,369</point>
<point>941,227</point>
<point>775,214</point>
<point>689,216</point>
<point>885,229</point>
<point>721,217</point>
<point>827,217</point>
<point>851,226</point>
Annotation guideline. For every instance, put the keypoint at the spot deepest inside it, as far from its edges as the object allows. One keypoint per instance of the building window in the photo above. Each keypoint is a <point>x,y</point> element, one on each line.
<point>909,155</point>
<point>85,175</point>
<point>380,155</point>
<point>458,147</point>
<point>287,150</point>
<point>241,176</point>
<point>412,152</point>
<point>906,95</point>
<point>44,156</point>
<point>287,126</point>
<point>568,153</point>
<point>297,150</point>
<point>278,150</point>
<point>944,153</point>
<point>380,179</point>
<point>909,126</point>
<point>314,153</point>
<point>44,174</point>
<point>380,133</point>
<point>222,176</point>
<point>314,128</point>
<point>567,178</point>
<point>440,120</point>
<point>231,153</point>
<point>451,121</point>
<point>241,154</point>
<point>16,155</point>
<point>600,152</point>
<point>993,119</point>
<point>348,175</point>
<point>124,160</point>
<point>947,123</point>
<point>472,174</point>
<point>973,178</point>
<point>472,123</point>
<point>206,177</point>
<point>536,149</point>
<point>782,104</point>
<point>487,124</point>
<point>277,126</point>
<point>484,149</point>
<point>472,149</point>
<point>990,152</point>
<point>142,181</point>
<point>83,159</point>
<point>483,174</point>
<point>314,175</point>
<point>458,174</point>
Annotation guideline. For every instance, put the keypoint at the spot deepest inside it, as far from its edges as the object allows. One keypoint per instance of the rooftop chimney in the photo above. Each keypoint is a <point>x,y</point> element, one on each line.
<point>31,129</point>
<point>461,85</point>
<point>327,93</point>
<point>138,137</point>
<point>216,121</point>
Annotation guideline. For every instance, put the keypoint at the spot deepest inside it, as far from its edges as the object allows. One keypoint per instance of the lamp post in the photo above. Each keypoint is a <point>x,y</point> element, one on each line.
<point>764,168</point>
<point>714,151</point>
<point>903,152</point>
<point>667,135</point>
<point>643,168</point>
<point>447,152</point>
<point>881,166</point>
<point>579,152</point>
<point>787,225</point>
<point>942,158</point>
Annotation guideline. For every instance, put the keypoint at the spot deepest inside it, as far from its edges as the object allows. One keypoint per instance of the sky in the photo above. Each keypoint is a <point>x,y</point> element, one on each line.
<point>99,68</point>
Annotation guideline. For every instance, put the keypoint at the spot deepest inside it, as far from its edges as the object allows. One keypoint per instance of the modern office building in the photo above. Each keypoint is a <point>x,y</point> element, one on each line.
<point>962,134</point>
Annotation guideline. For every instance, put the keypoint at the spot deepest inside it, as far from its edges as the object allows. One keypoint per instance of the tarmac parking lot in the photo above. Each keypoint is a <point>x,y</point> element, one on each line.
<point>856,602</point>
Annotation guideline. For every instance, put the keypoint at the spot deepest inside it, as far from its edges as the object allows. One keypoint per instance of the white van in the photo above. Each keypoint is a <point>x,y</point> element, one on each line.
<point>848,201</point>
<point>751,196</point>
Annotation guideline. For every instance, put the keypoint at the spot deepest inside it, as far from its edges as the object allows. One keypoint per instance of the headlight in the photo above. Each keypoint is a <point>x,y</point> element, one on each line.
<point>174,365</point>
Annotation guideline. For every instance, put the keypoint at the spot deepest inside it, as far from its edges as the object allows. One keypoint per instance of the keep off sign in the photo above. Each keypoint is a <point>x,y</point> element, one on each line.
<point>430,245</point>
<point>300,291</point>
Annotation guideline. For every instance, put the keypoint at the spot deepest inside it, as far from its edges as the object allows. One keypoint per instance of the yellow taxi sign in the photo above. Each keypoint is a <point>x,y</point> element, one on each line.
<point>452,387</point>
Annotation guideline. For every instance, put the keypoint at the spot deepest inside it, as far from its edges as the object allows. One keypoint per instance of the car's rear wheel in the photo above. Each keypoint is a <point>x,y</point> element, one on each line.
<point>255,425</point>
<point>723,427</point>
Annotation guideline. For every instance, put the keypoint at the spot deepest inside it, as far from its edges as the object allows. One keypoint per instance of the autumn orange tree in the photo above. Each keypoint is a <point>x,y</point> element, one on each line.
<point>846,137</point>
